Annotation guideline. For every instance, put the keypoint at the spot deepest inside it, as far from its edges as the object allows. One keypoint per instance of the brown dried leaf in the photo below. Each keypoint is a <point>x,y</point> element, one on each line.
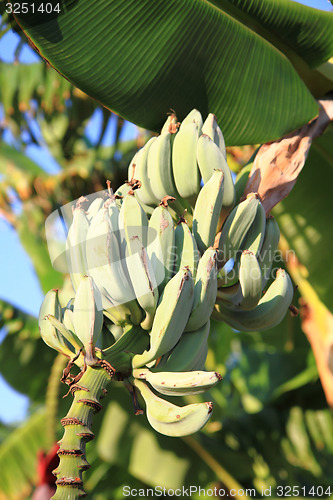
<point>278,164</point>
<point>317,320</point>
<point>322,345</point>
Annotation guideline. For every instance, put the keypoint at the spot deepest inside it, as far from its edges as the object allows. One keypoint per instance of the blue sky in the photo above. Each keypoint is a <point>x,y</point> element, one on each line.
<point>18,282</point>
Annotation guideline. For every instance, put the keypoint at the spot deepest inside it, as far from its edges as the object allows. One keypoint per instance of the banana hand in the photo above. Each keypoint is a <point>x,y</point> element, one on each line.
<point>172,420</point>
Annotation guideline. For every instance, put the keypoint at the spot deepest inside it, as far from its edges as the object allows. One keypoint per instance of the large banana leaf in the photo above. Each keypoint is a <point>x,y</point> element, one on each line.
<point>18,458</point>
<point>25,360</point>
<point>141,59</point>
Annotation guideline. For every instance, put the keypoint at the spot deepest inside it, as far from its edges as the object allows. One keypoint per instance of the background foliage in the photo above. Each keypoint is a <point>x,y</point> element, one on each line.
<point>271,424</point>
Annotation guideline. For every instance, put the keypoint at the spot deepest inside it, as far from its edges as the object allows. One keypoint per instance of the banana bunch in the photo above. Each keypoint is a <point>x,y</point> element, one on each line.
<point>173,164</point>
<point>153,262</point>
<point>248,240</point>
<point>143,301</point>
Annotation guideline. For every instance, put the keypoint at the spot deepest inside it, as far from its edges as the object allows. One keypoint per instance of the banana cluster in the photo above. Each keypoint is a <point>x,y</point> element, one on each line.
<point>143,301</point>
<point>153,262</point>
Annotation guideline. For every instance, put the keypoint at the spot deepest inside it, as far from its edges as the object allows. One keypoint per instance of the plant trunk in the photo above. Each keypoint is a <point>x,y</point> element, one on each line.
<point>77,432</point>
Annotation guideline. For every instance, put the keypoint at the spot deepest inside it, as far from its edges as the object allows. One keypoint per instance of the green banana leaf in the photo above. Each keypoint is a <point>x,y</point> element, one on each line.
<point>279,446</point>
<point>9,155</point>
<point>25,360</point>
<point>142,59</point>
<point>305,217</point>
<point>18,458</point>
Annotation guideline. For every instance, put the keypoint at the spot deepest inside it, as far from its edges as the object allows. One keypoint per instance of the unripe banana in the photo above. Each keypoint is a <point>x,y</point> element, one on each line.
<point>186,250</point>
<point>247,292</point>
<point>178,383</point>
<point>205,289</point>
<point>122,193</point>
<point>188,354</point>
<point>268,249</point>
<point>250,281</point>
<point>133,222</point>
<point>88,317</point>
<point>142,279</point>
<point>241,181</point>
<point>211,128</point>
<point>207,211</point>
<point>172,420</point>
<point>184,161</point>
<point>170,318</point>
<point>69,335</point>
<point>161,241</point>
<point>194,116</point>
<point>105,265</point>
<point>159,167</point>
<point>236,227</point>
<point>138,169</point>
<point>210,158</point>
<point>94,207</point>
<point>171,124</point>
<point>269,312</point>
<point>51,336</point>
<point>255,235</point>
<point>76,247</point>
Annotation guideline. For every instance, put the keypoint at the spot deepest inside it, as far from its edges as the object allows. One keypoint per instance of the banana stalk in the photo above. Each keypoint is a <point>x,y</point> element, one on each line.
<point>77,432</point>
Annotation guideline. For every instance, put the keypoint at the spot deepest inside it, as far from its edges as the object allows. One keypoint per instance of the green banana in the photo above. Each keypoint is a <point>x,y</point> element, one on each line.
<point>159,167</point>
<point>211,128</point>
<point>241,181</point>
<point>160,249</point>
<point>75,247</point>
<point>133,225</point>
<point>250,281</point>
<point>178,383</point>
<point>194,116</point>
<point>228,277</point>
<point>94,207</point>
<point>268,249</point>
<point>186,250</point>
<point>106,267</point>
<point>142,279</point>
<point>69,335</point>
<point>171,124</point>
<point>133,222</point>
<point>207,211</point>
<point>184,161</point>
<point>210,158</point>
<point>269,312</point>
<point>247,292</point>
<point>188,353</point>
<point>172,420</point>
<point>236,227</point>
<point>138,169</point>
<point>205,289</point>
<point>255,235</point>
<point>51,336</point>
<point>88,317</point>
<point>170,318</point>
<point>122,193</point>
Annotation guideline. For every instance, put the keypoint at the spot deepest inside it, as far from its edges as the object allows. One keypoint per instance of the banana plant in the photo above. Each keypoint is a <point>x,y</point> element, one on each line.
<point>305,75</point>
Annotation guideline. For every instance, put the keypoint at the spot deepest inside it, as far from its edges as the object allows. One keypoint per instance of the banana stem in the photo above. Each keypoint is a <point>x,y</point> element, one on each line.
<point>77,432</point>
<point>220,472</point>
